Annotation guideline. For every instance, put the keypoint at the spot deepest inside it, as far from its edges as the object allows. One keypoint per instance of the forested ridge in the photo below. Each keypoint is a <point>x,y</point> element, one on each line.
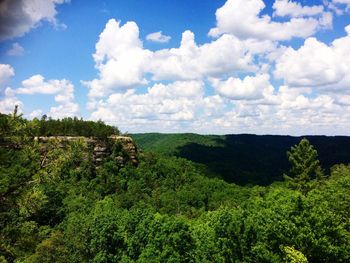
<point>15,126</point>
<point>166,209</point>
<point>243,158</point>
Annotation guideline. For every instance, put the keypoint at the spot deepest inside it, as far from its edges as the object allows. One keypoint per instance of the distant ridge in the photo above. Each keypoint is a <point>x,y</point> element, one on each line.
<point>244,158</point>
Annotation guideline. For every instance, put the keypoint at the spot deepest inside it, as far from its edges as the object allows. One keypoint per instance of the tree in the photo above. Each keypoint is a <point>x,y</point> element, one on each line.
<point>304,166</point>
<point>293,256</point>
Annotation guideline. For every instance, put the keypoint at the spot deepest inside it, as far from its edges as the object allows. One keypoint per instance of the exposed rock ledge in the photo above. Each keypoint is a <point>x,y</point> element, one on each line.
<point>102,148</point>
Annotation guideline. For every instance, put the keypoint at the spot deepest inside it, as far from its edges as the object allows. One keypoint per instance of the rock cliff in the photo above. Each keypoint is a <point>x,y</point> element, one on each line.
<point>121,148</point>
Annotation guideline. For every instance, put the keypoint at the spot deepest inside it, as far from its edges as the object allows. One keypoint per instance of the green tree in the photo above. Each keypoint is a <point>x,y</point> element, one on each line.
<point>52,249</point>
<point>168,240</point>
<point>304,167</point>
<point>293,256</point>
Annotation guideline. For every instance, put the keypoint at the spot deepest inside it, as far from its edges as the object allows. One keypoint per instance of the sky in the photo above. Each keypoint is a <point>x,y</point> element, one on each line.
<point>203,66</point>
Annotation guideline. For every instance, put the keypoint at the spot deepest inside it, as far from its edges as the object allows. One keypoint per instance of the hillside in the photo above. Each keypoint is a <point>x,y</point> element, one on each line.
<point>169,144</point>
<point>243,158</point>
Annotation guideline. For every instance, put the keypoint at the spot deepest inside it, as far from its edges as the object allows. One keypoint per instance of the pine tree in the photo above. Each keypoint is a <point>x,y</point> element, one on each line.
<point>304,167</point>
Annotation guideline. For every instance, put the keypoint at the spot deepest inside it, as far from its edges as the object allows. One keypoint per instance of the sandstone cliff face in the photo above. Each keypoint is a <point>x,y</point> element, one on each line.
<point>121,148</point>
<point>128,146</point>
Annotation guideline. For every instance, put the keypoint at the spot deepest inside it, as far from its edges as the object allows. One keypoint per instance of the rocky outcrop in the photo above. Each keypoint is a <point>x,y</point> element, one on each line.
<point>121,148</point>
<point>128,146</point>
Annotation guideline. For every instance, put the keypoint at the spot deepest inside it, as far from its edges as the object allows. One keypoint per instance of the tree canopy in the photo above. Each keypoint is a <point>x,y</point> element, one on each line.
<point>16,125</point>
<point>163,210</point>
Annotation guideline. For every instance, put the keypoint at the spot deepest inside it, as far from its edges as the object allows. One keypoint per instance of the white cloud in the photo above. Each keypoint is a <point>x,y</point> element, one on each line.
<point>250,88</point>
<point>17,17</point>
<point>343,2</point>
<point>177,89</point>
<point>6,72</point>
<point>316,64</point>
<point>293,113</point>
<point>36,114</point>
<point>295,9</point>
<point>287,8</point>
<point>8,98</point>
<point>37,85</point>
<point>158,37</point>
<point>16,50</point>
<point>326,20</point>
<point>8,102</point>
<point>123,63</point>
<point>247,105</point>
<point>242,18</point>
<point>120,59</point>
<point>163,107</point>
<point>183,106</point>
<point>68,109</point>
<point>192,61</point>
<point>62,89</point>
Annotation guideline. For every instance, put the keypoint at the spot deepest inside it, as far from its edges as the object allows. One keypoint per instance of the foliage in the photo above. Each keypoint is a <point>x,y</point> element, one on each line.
<point>15,127</point>
<point>304,166</point>
<point>74,127</point>
<point>170,144</point>
<point>244,159</point>
<point>64,209</point>
<point>293,256</point>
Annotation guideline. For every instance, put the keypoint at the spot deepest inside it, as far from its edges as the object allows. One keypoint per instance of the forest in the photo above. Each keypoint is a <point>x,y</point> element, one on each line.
<point>51,127</point>
<point>243,158</point>
<point>165,209</point>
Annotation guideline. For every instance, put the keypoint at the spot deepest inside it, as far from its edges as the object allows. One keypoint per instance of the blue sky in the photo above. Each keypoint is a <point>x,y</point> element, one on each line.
<point>253,66</point>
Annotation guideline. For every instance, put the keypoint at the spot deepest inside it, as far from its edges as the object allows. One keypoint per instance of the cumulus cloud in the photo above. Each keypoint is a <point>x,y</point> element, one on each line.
<point>15,50</point>
<point>287,8</point>
<point>123,63</point>
<point>165,107</point>
<point>69,109</point>
<point>183,105</point>
<point>193,61</point>
<point>8,98</point>
<point>243,19</point>
<point>295,9</point>
<point>293,113</point>
<point>8,101</point>
<point>18,17</point>
<point>250,88</point>
<point>120,59</point>
<point>158,37</point>
<point>177,89</point>
<point>63,90</point>
<point>316,64</point>
<point>6,72</point>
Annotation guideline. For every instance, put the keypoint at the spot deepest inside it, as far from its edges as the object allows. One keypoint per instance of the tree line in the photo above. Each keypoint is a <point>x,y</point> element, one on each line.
<point>54,127</point>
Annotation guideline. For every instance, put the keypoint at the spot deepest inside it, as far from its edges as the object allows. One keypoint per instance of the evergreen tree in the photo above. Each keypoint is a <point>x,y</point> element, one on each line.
<point>304,167</point>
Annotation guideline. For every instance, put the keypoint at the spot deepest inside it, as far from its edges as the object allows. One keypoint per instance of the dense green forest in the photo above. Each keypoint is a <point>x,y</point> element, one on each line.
<point>51,127</point>
<point>166,209</point>
<point>243,158</point>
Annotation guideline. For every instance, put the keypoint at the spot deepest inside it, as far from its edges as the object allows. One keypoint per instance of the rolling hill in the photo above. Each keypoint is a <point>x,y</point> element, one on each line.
<point>243,158</point>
